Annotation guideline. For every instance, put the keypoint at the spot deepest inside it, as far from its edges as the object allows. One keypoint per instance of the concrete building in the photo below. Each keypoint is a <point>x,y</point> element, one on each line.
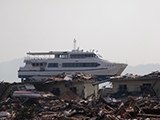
<point>137,83</point>
<point>81,88</point>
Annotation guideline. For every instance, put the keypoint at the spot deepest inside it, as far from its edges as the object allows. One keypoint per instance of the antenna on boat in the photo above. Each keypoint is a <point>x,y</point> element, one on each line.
<point>74,41</point>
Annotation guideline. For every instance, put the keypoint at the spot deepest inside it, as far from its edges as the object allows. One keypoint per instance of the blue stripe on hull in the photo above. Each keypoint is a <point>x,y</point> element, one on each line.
<point>25,76</point>
<point>63,70</point>
<point>103,77</point>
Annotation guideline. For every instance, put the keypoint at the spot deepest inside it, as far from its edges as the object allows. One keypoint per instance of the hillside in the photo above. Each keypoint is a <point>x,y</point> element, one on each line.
<point>142,69</point>
<point>9,70</point>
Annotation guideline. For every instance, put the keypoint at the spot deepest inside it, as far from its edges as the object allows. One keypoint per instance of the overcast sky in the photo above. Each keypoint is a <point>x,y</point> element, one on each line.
<point>121,30</point>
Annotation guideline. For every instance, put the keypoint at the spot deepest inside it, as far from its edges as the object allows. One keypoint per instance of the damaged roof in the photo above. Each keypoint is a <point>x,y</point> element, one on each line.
<point>75,77</point>
<point>150,76</point>
<point>69,95</point>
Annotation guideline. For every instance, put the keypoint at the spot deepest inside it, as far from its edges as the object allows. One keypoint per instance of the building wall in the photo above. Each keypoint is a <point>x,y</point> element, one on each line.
<point>134,85</point>
<point>90,89</point>
<point>80,88</point>
<point>157,88</point>
<point>51,87</point>
<point>83,89</point>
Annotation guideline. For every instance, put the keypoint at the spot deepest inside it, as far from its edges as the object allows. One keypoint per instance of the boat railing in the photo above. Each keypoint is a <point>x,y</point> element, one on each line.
<point>37,58</point>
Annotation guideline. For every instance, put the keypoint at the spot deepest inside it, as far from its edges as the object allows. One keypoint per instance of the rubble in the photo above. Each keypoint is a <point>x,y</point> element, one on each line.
<point>131,76</point>
<point>43,105</point>
<point>50,107</point>
<point>62,77</point>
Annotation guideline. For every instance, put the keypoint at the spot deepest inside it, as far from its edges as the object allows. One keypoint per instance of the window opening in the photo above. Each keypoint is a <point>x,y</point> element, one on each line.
<point>74,89</point>
<point>56,91</point>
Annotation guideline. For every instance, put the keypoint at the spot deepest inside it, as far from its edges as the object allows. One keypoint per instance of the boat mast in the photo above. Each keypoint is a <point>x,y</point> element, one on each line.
<point>74,45</point>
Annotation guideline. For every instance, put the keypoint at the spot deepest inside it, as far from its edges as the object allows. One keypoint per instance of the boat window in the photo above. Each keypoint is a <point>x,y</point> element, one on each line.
<point>38,64</point>
<point>63,56</point>
<point>33,64</point>
<point>53,65</point>
<point>80,64</point>
<point>82,55</point>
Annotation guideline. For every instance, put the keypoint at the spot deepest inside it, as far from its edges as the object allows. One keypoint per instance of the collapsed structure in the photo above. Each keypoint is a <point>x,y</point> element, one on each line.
<point>79,83</point>
<point>31,99</point>
<point>137,84</point>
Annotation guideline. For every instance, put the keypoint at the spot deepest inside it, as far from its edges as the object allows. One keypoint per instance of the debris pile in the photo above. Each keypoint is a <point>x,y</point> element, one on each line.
<point>127,76</point>
<point>153,74</point>
<point>70,107</point>
<point>74,77</point>
<point>131,76</point>
<point>42,105</point>
<point>64,76</point>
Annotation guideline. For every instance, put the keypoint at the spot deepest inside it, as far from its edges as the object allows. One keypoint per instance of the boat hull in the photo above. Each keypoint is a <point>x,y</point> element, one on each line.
<point>102,73</point>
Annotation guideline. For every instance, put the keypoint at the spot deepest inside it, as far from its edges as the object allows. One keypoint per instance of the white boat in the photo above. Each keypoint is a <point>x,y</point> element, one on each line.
<point>69,62</point>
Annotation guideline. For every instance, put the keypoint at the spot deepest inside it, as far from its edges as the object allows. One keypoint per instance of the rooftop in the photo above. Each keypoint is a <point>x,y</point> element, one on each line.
<point>75,77</point>
<point>151,76</point>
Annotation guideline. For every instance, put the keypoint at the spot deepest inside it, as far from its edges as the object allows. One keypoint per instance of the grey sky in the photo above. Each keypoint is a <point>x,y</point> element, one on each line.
<point>121,30</point>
